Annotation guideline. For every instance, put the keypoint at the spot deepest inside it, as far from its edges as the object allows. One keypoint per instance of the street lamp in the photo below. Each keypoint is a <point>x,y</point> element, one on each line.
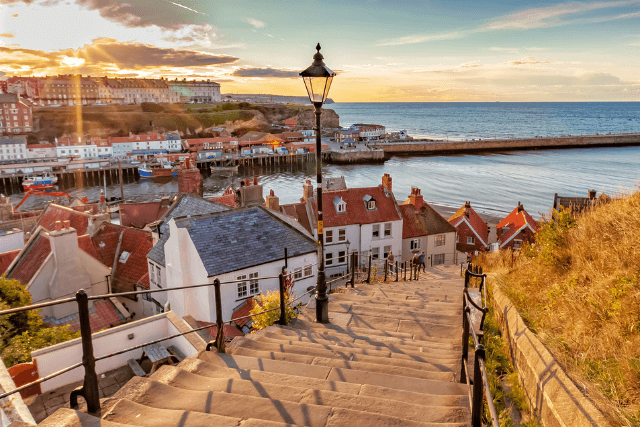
<point>317,79</point>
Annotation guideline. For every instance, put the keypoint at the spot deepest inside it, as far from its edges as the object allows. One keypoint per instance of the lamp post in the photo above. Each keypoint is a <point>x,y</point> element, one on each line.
<point>317,80</point>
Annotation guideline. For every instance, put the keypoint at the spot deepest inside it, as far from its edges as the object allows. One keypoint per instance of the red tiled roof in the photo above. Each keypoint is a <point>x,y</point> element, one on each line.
<point>516,221</point>
<point>53,213</point>
<point>32,258</point>
<point>244,310</point>
<point>356,212</point>
<point>412,226</point>
<point>299,212</point>
<point>144,281</point>
<point>86,244</point>
<point>140,214</point>
<point>89,208</point>
<point>225,199</point>
<point>40,146</point>
<point>474,220</point>
<point>230,331</point>
<point>104,315</point>
<point>6,259</point>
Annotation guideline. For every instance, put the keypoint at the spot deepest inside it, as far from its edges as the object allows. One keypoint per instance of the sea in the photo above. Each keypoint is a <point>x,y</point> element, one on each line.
<point>493,182</point>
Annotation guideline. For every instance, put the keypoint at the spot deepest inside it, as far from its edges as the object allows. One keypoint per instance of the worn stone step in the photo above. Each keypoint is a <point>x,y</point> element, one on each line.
<point>202,368</point>
<point>364,337</point>
<point>354,297</point>
<point>445,332</point>
<point>350,342</point>
<point>380,352</point>
<point>350,364</point>
<point>434,295</point>
<point>391,380</point>
<point>161,396</point>
<point>145,416</point>
<point>65,417</point>
<point>179,378</point>
<point>394,313</point>
<point>346,417</point>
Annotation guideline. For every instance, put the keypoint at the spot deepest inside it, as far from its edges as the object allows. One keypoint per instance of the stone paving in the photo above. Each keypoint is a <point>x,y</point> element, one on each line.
<point>47,403</point>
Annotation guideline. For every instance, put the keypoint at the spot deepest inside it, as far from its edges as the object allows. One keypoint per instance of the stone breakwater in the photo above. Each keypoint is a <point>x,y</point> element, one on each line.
<point>444,147</point>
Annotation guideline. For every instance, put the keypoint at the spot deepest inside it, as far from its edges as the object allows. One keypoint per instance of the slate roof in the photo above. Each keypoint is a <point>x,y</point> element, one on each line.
<point>244,237</point>
<point>474,220</point>
<point>423,222</point>
<point>356,212</point>
<point>185,204</point>
<point>9,97</point>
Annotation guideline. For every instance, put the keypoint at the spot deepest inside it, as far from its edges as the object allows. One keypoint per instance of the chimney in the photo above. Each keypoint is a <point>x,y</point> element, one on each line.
<point>307,190</point>
<point>520,207</point>
<point>592,194</point>
<point>190,179</point>
<point>415,197</point>
<point>387,182</point>
<point>467,206</point>
<point>255,180</point>
<point>273,202</point>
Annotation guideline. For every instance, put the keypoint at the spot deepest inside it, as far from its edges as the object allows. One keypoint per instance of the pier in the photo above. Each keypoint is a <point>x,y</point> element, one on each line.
<point>417,147</point>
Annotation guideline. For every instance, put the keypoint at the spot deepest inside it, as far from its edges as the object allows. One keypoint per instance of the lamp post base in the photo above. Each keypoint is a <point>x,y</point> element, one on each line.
<point>322,309</point>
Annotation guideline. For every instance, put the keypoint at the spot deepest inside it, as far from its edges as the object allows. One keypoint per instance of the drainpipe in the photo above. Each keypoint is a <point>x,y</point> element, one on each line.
<point>115,262</point>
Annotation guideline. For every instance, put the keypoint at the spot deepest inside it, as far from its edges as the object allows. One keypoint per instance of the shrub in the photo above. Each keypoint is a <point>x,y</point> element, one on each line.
<point>150,107</point>
<point>269,302</point>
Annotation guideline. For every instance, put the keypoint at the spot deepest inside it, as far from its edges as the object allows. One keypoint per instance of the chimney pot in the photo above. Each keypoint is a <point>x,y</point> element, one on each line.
<point>592,194</point>
<point>255,180</point>
<point>57,226</point>
<point>66,224</point>
<point>247,182</point>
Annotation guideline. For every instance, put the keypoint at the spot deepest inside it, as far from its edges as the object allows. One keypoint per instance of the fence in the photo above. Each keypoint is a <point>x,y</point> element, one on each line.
<point>89,390</point>
<point>479,390</point>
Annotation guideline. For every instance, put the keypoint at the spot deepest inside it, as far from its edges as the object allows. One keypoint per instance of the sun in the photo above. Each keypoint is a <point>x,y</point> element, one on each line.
<point>69,61</point>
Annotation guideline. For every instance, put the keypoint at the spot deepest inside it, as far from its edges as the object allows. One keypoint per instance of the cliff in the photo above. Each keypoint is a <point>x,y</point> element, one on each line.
<point>278,113</point>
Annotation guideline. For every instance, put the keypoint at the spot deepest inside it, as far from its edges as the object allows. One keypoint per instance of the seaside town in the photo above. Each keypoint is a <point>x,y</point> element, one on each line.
<point>441,232</point>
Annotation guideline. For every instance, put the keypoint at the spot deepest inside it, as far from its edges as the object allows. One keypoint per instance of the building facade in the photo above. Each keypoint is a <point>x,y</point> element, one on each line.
<point>13,148</point>
<point>16,116</point>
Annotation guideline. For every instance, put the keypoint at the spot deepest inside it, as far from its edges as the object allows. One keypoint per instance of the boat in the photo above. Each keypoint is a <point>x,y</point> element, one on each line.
<point>43,182</point>
<point>224,168</point>
<point>155,171</point>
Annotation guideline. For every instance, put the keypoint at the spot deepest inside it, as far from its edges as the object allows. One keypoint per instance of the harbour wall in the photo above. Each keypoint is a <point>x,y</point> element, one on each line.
<point>445,147</point>
<point>357,156</point>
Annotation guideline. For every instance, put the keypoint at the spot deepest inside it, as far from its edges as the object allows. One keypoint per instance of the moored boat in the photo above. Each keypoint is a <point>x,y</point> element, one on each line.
<point>224,168</point>
<point>39,182</point>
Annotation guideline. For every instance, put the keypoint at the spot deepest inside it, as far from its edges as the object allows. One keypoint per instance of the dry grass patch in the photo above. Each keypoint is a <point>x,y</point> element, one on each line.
<point>578,288</point>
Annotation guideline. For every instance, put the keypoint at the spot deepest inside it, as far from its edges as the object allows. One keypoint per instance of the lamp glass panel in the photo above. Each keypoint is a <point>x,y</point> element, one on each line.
<point>316,88</point>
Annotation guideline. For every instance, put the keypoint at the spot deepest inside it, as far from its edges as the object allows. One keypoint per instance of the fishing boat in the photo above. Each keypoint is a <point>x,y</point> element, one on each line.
<point>224,168</point>
<point>43,182</point>
<point>155,171</point>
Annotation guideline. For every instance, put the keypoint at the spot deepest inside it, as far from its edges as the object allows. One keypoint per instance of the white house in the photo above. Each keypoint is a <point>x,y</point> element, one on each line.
<point>237,246</point>
<point>13,148</point>
<point>41,151</point>
<point>173,142</point>
<point>69,147</point>
<point>425,230</point>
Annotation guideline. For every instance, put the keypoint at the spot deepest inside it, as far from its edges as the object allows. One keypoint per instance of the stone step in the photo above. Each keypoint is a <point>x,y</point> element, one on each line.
<point>351,343</point>
<point>445,332</point>
<point>451,317</point>
<point>435,295</point>
<point>65,417</point>
<point>202,368</point>
<point>348,364</point>
<point>141,415</point>
<point>178,378</point>
<point>407,303</point>
<point>402,341</point>
<point>381,352</point>
<point>390,380</point>
<point>161,396</point>
<point>301,323</point>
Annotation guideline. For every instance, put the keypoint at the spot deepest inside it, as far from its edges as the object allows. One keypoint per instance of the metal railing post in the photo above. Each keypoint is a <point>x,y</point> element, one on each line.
<point>369,271</point>
<point>396,271</point>
<point>89,389</point>
<point>476,409</point>
<point>465,341</point>
<point>283,316</point>
<point>220,335</point>
<point>405,270</point>
<point>386,269</point>
<point>467,276</point>
<point>353,269</point>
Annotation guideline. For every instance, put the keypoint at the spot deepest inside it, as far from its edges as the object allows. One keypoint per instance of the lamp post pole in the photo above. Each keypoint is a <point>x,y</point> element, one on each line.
<point>322,302</point>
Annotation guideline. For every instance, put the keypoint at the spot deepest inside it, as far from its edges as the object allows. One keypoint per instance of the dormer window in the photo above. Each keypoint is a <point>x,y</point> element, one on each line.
<point>369,202</point>
<point>124,256</point>
<point>340,205</point>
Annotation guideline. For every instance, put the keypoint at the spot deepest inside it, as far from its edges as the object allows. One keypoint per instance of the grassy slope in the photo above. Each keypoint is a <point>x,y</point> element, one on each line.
<point>578,288</point>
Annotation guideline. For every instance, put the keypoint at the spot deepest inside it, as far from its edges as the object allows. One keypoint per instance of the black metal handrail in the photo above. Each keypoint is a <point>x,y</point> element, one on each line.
<point>89,389</point>
<point>479,389</point>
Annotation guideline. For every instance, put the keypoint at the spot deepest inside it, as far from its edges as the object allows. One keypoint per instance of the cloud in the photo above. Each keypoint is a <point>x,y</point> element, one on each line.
<point>528,60</point>
<point>7,35</point>
<point>255,23</point>
<point>422,38</point>
<point>265,72</point>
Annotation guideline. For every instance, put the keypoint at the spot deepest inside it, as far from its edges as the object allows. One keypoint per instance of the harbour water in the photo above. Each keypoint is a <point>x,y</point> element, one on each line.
<point>493,182</point>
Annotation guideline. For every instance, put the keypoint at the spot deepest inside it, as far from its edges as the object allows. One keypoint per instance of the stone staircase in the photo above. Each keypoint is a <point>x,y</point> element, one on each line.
<point>389,357</point>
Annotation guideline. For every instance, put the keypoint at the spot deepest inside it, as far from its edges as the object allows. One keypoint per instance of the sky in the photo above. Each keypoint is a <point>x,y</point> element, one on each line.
<point>381,50</point>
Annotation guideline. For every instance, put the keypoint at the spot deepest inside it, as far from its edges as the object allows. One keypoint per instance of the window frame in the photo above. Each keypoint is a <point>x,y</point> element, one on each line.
<point>385,252</point>
<point>440,240</point>
<point>342,235</point>
<point>387,229</point>
<point>375,231</point>
<point>342,257</point>
<point>328,236</point>
<point>375,253</point>
<point>438,257</point>
<point>471,240</point>
<point>328,258</point>
<point>414,244</point>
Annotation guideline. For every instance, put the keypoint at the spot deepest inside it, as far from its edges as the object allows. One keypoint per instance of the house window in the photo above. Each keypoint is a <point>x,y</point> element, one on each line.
<point>297,273</point>
<point>342,207</point>
<point>341,257</point>
<point>371,205</point>
<point>387,249</point>
<point>308,271</point>
<point>342,235</point>
<point>415,244</point>
<point>376,231</point>
<point>328,236</point>
<point>387,229</point>
<point>457,239</point>
<point>254,286</point>
<point>471,240</point>
<point>151,276</point>
<point>375,253</point>
<point>440,239</point>
<point>158,276</point>
<point>328,258</point>
<point>517,244</point>
<point>438,259</point>
<point>242,287</point>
